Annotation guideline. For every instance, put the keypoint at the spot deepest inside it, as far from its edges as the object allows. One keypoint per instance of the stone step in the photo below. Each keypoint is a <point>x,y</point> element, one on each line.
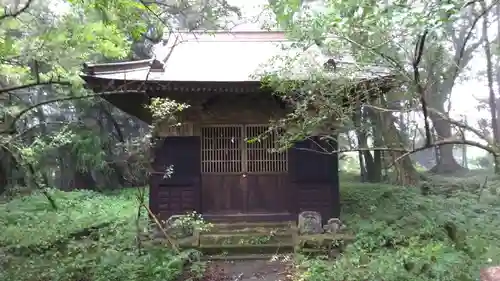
<point>244,240</point>
<point>252,227</point>
<point>224,250</point>
<point>236,257</point>
<point>250,238</point>
<point>325,238</point>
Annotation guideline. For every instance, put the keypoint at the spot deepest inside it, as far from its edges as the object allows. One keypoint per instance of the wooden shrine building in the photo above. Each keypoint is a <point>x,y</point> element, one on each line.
<point>216,172</point>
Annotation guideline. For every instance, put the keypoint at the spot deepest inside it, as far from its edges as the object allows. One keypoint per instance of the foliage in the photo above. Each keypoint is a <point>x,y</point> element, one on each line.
<point>400,46</point>
<point>129,15</point>
<point>91,237</point>
<point>371,34</point>
<point>186,225</point>
<point>403,235</point>
<point>483,162</point>
<point>165,110</point>
<point>86,147</point>
<point>42,61</point>
<point>400,235</point>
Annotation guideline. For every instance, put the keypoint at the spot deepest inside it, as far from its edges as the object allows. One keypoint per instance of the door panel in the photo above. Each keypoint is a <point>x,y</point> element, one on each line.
<point>180,192</point>
<point>223,193</point>
<point>268,193</point>
<point>314,175</point>
<point>240,176</point>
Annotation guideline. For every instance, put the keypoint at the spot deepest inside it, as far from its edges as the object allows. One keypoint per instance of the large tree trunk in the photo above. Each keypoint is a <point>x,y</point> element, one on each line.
<point>441,76</point>
<point>404,171</point>
<point>371,168</point>
<point>373,162</point>
<point>446,162</point>
<point>83,180</point>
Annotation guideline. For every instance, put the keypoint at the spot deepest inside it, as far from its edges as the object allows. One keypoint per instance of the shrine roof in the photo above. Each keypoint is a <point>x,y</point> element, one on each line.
<point>225,57</point>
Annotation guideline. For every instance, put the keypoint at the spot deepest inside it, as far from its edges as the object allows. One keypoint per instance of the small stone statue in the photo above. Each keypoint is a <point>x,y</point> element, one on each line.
<point>309,223</point>
<point>333,225</point>
<point>490,273</point>
<point>173,228</point>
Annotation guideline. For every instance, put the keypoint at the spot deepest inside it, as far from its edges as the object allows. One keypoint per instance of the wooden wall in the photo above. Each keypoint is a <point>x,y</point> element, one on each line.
<point>253,108</point>
<point>311,185</point>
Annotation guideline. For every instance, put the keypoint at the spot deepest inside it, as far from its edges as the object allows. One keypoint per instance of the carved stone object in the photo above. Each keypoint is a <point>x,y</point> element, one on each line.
<point>310,223</point>
<point>333,225</point>
<point>490,274</point>
<point>173,228</point>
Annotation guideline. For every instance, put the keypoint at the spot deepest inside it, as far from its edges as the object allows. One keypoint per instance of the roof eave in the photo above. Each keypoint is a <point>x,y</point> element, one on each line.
<point>94,69</point>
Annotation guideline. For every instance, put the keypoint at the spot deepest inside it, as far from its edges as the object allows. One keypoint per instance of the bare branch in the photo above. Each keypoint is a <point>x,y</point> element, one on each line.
<point>11,127</point>
<point>448,142</point>
<point>463,48</point>
<point>417,57</point>
<point>33,84</point>
<point>10,14</point>
<point>459,124</point>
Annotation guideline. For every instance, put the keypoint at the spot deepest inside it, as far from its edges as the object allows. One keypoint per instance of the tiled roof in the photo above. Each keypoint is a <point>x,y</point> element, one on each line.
<point>224,57</point>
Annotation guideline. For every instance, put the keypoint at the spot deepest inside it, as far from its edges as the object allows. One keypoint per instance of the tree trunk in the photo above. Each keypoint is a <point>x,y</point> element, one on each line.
<point>446,162</point>
<point>373,162</point>
<point>405,172</point>
<point>491,94</point>
<point>362,168</point>
<point>371,171</point>
<point>376,175</point>
<point>83,180</point>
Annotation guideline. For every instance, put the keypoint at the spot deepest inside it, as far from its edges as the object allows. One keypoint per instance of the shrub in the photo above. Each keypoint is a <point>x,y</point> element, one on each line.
<point>402,235</point>
<point>91,237</point>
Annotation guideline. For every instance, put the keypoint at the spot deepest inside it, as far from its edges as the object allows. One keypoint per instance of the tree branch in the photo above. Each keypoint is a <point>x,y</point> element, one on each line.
<point>463,48</point>
<point>417,57</point>
<point>33,84</point>
<point>11,127</point>
<point>10,14</point>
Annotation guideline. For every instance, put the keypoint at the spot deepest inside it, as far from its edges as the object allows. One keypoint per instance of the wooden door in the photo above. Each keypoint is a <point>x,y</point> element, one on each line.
<point>177,192</point>
<point>241,176</point>
<point>314,174</point>
<point>266,172</point>
<point>222,169</point>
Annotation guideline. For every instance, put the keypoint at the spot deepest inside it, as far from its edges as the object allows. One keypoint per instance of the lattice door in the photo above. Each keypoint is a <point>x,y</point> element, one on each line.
<point>221,149</point>
<point>230,149</point>
<point>261,153</point>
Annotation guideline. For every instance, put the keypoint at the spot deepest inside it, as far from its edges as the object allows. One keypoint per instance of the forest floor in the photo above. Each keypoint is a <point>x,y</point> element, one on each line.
<point>447,234</point>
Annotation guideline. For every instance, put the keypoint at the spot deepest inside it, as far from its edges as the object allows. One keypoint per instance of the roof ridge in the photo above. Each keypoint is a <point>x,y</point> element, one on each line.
<point>215,40</point>
<point>201,31</point>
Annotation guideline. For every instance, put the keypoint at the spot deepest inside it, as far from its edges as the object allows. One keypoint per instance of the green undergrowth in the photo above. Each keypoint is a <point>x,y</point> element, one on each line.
<point>403,235</point>
<point>400,235</point>
<point>91,237</point>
